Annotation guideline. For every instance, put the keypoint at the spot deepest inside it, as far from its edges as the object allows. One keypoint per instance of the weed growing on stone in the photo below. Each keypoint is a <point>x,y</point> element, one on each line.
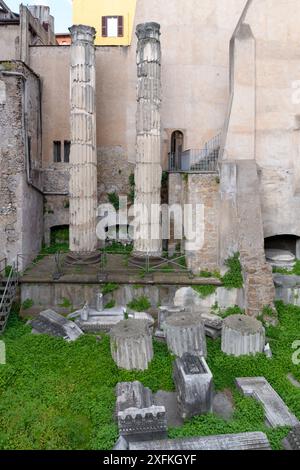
<point>139,304</point>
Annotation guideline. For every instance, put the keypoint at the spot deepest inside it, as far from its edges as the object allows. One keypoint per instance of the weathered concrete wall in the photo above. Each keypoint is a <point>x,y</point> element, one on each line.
<point>9,42</point>
<point>16,35</point>
<point>21,210</point>
<point>273,53</point>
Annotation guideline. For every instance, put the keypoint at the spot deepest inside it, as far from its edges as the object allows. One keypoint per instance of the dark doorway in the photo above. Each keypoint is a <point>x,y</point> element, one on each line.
<point>176,149</point>
<point>283,242</point>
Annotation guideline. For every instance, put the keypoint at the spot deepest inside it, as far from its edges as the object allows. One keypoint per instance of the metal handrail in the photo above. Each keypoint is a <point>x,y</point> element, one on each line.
<point>204,160</point>
<point>13,276</point>
<point>5,264</point>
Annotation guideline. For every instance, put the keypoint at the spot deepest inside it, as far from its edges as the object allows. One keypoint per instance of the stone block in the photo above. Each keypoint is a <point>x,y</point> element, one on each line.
<point>243,441</point>
<point>213,325</point>
<point>276,411</point>
<point>194,385</point>
<point>53,324</point>
<point>99,324</point>
<point>165,311</point>
<point>292,441</point>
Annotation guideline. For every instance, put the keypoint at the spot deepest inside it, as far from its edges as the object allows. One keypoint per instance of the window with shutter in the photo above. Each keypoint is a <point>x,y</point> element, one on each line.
<point>120,26</point>
<point>67,148</point>
<point>104,26</point>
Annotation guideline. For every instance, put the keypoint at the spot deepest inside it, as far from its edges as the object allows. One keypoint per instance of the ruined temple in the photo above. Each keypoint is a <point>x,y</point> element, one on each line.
<point>207,93</point>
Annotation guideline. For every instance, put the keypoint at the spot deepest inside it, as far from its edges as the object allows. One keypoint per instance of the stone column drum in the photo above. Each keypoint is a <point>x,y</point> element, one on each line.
<point>83,156</point>
<point>185,333</point>
<point>242,336</point>
<point>131,344</point>
<point>148,171</point>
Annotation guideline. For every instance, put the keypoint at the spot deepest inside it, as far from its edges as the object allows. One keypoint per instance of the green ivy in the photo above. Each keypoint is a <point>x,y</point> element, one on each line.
<point>205,290</point>
<point>232,311</point>
<point>28,303</point>
<point>140,304</point>
<point>109,288</point>
<point>65,303</point>
<point>110,304</point>
<point>233,279</point>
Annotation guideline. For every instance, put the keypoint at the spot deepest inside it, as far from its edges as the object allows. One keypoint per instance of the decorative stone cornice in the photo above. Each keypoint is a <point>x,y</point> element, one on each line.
<point>148,31</point>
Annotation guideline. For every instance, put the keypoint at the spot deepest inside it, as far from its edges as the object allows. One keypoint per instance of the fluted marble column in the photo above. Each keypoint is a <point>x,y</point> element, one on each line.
<point>83,157</point>
<point>148,170</point>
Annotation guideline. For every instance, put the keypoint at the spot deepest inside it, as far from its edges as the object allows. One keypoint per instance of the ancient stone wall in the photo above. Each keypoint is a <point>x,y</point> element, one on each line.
<point>198,189</point>
<point>20,152</point>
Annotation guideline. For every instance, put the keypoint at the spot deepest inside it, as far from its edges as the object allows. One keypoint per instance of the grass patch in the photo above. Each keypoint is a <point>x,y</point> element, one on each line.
<point>140,304</point>
<point>59,395</point>
<point>117,248</point>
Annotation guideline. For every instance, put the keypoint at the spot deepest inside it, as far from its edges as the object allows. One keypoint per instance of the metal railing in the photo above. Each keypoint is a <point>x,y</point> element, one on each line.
<point>3,264</point>
<point>203,160</point>
<point>7,296</point>
<point>176,264</point>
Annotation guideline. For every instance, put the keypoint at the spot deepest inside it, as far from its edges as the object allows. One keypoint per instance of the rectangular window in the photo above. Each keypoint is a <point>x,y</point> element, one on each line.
<point>57,151</point>
<point>67,148</point>
<point>112,26</point>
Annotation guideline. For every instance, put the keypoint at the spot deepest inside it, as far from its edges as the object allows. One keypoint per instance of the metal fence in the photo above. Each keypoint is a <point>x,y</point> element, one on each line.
<point>3,264</point>
<point>203,160</point>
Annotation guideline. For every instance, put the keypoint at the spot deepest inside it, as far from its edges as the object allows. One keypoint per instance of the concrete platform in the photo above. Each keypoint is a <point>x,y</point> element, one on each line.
<point>78,285</point>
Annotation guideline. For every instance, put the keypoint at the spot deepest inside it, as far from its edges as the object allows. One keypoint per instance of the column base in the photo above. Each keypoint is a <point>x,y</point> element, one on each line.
<point>83,259</point>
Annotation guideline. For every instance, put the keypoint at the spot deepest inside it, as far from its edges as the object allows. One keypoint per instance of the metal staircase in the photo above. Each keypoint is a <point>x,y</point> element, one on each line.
<point>8,288</point>
<point>203,160</point>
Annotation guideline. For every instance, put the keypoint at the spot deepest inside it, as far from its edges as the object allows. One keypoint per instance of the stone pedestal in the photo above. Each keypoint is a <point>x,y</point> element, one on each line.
<point>131,344</point>
<point>194,385</point>
<point>148,170</point>
<point>242,335</point>
<point>185,334</point>
<point>83,155</point>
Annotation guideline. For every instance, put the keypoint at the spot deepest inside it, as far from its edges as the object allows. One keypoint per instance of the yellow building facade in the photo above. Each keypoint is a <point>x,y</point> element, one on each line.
<point>112,19</point>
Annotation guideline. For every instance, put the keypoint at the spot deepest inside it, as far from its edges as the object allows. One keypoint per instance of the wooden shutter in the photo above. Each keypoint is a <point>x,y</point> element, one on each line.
<point>120,26</point>
<point>104,26</point>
